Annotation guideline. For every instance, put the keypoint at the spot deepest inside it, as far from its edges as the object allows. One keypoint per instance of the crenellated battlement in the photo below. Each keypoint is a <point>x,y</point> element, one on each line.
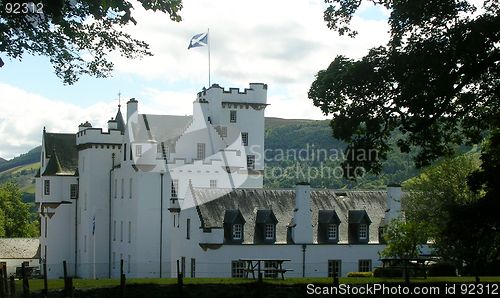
<point>98,136</point>
<point>257,93</point>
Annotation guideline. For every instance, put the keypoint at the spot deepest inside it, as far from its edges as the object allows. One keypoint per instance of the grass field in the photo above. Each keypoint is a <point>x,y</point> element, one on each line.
<point>37,284</point>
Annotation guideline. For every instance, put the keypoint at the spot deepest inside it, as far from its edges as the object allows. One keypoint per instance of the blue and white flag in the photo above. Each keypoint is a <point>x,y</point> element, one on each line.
<point>199,40</point>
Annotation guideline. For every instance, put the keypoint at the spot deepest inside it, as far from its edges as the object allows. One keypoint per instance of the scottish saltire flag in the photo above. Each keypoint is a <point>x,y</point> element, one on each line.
<point>199,40</point>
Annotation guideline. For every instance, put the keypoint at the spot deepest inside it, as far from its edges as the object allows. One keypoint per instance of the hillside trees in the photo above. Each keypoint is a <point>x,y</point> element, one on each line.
<point>76,35</point>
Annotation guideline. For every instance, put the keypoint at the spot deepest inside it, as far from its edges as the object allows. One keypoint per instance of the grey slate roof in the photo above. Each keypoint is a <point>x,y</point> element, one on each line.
<point>212,204</point>
<point>159,127</point>
<point>328,216</point>
<point>19,248</point>
<point>65,146</point>
<point>357,216</point>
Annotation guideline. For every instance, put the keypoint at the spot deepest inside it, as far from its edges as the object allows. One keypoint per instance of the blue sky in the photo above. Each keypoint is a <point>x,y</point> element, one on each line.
<point>251,41</point>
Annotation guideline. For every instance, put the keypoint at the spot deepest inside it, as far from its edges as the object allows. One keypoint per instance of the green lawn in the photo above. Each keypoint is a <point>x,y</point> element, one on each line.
<point>37,284</point>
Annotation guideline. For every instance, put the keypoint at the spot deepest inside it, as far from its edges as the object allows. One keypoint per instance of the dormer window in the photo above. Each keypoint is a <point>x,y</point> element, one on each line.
<point>233,226</point>
<point>269,233</point>
<point>265,227</point>
<point>359,226</point>
<point>328,226</point>
<point>363,231</point>
<point>237,231</point>
<point>332,232</point>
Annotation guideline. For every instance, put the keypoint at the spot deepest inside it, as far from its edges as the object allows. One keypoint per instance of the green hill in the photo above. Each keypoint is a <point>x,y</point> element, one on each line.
<point>29,157</point>
<point>2,160</point>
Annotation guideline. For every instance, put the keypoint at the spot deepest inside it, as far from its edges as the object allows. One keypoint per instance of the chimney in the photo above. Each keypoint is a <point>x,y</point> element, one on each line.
<point>131,108</point>
<point>302,217</point>
<point>84,126</point>
<point>394,195</point>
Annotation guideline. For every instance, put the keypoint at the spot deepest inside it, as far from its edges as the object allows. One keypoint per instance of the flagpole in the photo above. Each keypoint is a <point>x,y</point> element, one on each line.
<point>208,43</point>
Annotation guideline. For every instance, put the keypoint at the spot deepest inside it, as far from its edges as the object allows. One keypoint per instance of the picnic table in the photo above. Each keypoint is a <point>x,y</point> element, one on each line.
<point>275,267</point>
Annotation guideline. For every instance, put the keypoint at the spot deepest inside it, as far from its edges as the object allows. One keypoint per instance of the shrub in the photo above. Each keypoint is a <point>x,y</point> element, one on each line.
<point>388,272</point>
<point>359,274</point>
<point>441,269</point>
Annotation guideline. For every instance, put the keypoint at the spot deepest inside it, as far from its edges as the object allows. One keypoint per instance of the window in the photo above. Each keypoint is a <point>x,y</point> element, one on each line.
<point>128,263</point>
<point>193,267</point>
<point>222,131</point>
<point>363,231</point>
<point>122,187</point>
<point>116,187</point>
<point>213,183</point>
<point>121,231</point>
<point>365,265</point>
<point>183,266</point>
<point>130,188</point>
<point>174,188</point>
<point>251,162</point>
<point>85,202</point>
<point>73,189</point>
<point>232,116</point>
<point>237,268</point>
<point>244,138</point>
<point>269,231</point>
<point>124,151</point>
<point>270,269</point>
<point>45,228</point>
<point>332,231</point>
<point>188,228</point>
<point>200,151</point>
<point>46,187</point>
<point>114,230</point>
<point>334,268</point>
<point>159,151</point>
<point>237,231</point>
<point>84,243</point>
<point>114,260</point>
<point>138,150</point>
<point>129,231</point>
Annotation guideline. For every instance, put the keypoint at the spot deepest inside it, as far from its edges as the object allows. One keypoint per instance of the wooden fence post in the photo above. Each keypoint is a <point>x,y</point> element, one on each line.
<point>68,282</point>
<point>12,286</point>
<point>45,291</point>
<point>122,280</point>
<point>180,282</point>
<point>3,293</point>
<point>26,285</point>
<point>5,281</point>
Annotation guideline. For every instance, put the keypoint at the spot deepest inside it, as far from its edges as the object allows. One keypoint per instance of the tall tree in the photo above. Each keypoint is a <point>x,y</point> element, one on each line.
<point>437,80</point>
<point>17,220</point>
<point>458,219</point>
<point>76,35</point>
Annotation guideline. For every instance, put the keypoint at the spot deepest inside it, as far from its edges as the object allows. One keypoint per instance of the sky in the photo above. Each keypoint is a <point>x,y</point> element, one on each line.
<point>281,43</point>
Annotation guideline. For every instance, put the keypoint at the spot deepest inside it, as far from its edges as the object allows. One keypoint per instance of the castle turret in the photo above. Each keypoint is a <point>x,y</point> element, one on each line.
<point>131,108</point>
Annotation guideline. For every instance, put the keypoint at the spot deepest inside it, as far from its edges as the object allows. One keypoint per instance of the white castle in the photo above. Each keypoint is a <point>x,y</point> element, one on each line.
<point>160,189</point>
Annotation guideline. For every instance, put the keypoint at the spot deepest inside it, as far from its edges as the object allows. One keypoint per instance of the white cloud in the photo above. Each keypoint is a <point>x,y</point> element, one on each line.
<point>21,124</point>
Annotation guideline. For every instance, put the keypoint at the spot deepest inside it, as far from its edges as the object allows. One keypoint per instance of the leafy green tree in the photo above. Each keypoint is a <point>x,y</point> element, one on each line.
<point>439,188</point>
<point>404,238</point>
<point>460,221</point>
<point>17,218</point>
<point>436,80</point>
<point>76,35</point>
